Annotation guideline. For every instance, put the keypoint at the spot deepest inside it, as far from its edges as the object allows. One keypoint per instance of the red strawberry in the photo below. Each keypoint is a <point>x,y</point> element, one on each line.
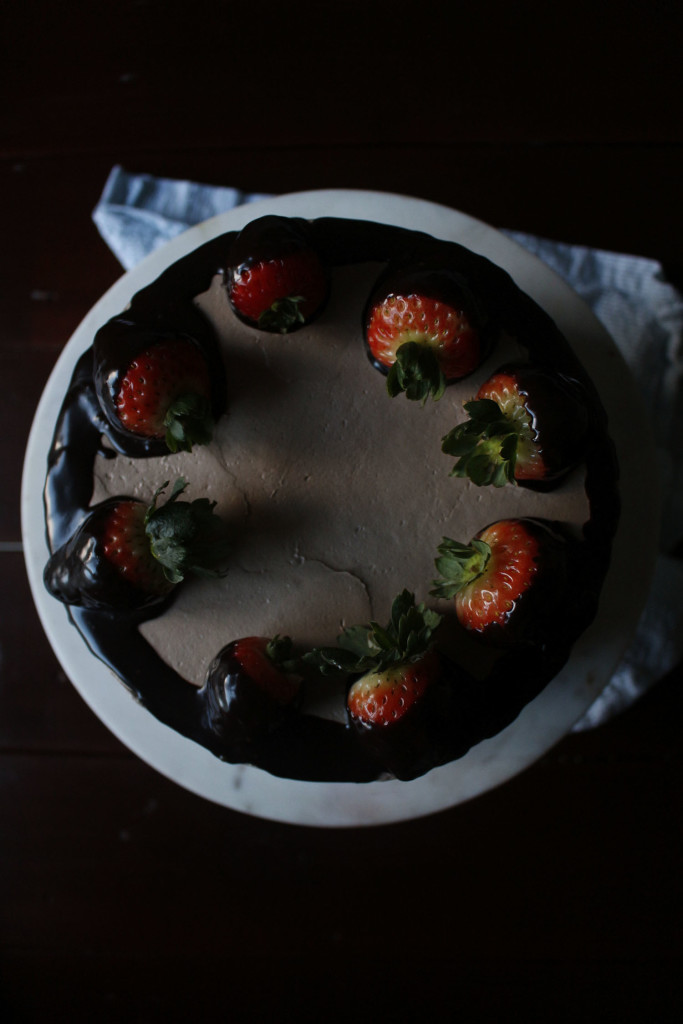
<point>279,295</point>
<point>250,690</point>
<point>389,704</point>
<point>527,425</point>
<point>424,329</point>
<point>382,697</point>
<point>275,279</point>
<point>509,582</point>
<point>165,393</point>
<point>126,546</point>
<point>127,554</point>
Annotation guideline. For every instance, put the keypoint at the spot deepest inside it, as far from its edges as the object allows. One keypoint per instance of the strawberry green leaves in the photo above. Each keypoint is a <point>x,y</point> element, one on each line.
<point>458,565</point>
<point>417,373</point>
<point>184,536</point>
<point>283,316</point>
<point>485,445</point>
<point>188,421</point>
<point>375,648</point>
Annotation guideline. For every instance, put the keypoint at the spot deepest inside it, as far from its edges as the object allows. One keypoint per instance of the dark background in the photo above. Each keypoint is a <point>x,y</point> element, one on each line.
<point>556,897</point>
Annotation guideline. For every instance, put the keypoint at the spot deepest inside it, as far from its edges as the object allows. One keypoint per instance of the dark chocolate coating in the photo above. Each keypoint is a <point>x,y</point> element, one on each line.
<point>240,710</point>
<point>79,573</point>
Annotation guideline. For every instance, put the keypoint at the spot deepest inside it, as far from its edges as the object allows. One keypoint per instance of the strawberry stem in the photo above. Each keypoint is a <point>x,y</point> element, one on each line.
<point>459,565</point>
<point>185,536</point>
<point>283,315</point>
<point>279,653</point>
<point>374,648</point>
<point>188,421</point>
<point>486,445</point>
<point>416,372</point>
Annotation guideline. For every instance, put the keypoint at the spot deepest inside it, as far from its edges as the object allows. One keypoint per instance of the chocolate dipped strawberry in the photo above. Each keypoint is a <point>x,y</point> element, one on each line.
<point>392,705</point>
<point>527,425</point>
<point>275,279</point>
<point>127,554</point>
<point>251,688</point>
<point>510,584</point>
<point>159,392</point>
<point>425,329</point>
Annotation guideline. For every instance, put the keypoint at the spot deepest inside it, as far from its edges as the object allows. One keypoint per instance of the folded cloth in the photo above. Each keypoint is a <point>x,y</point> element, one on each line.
<point>642,312</point>
<point>137,213</point>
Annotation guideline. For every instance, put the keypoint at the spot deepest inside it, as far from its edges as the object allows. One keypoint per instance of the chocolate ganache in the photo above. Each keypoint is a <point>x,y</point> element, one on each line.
<point>467,706</point>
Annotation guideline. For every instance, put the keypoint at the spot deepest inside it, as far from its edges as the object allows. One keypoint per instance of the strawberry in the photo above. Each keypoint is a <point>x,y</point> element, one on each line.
<point>276,280</point>
<point>527,425</point>
<point>164,392</point>
<point>509,582</point>
<point>127,554</point>
<point>398,669</point>
<point>383,696</point>
<point>251,687</point>
<point>424,329</point>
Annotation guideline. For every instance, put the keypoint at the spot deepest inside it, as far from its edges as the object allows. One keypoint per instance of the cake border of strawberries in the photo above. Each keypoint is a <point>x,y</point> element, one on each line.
<point>307,201</point>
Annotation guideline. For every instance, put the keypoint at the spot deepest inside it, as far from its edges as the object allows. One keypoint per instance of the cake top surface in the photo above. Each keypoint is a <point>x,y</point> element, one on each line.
<point>338,495</point>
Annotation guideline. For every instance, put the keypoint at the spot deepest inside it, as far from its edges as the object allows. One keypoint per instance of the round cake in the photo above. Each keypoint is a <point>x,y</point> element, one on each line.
<point>406,486</point>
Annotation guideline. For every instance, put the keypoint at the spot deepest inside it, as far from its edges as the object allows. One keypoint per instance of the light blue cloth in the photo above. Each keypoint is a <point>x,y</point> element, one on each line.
<point>137,213</point>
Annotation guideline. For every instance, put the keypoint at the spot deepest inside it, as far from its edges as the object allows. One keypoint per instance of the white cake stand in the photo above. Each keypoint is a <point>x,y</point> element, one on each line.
<point>543,722</point>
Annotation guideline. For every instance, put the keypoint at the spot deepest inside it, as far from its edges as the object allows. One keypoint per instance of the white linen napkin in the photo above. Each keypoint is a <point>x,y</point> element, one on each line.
<point>642,312</point>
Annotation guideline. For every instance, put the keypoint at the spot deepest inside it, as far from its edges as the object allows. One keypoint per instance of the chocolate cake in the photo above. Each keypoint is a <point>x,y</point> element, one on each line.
<point>349,476</point>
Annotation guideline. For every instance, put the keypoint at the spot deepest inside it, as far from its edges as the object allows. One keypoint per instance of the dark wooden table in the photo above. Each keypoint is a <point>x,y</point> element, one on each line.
<point>124,898</point>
